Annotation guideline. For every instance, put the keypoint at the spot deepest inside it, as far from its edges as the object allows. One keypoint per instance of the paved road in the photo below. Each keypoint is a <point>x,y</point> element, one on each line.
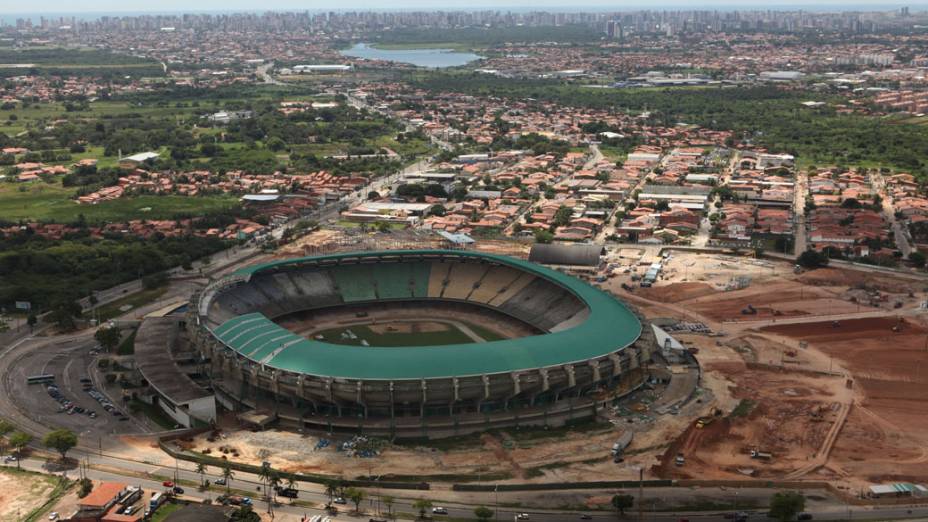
<point>800,190</point>
<point>150,478</point>
<point>263,72</point>
<point>900,234</point>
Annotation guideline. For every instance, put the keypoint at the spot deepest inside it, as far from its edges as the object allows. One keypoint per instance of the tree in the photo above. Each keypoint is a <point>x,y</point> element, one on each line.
<point>108,337</point>
<point>61,441</point>
<point>19,441</point>
<point>274,483</point>
<point>811,259</point>
<point>356,496</point>
<point>331,489</point>
<point>785,505</point>
<point>265,474</point>
<point>5,428</point>
<point>245,514</point>
<point>227,476</point>
<point>32,320</point>
<point>63,314</point>
<point>201,470</point>
<point>622,502</point>
<point>543,236</point>
<point>388,501</point>
<point>483,513</point>
<point>422,505</point>
<point>917,258</point>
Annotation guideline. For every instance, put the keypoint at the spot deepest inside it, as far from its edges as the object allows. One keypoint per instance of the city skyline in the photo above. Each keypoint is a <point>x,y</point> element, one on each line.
<point>105,7</point>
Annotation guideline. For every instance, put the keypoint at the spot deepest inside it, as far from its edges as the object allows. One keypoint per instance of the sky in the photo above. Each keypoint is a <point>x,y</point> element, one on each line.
<point>163,6</point>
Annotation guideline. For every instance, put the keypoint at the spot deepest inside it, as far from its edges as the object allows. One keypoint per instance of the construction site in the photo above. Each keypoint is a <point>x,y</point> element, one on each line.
<point>773,375</point>
<point>812,375</point>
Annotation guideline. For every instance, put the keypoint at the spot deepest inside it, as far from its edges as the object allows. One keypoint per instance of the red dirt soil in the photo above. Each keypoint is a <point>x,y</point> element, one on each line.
<point>887,430</point>
<point>677,292</point>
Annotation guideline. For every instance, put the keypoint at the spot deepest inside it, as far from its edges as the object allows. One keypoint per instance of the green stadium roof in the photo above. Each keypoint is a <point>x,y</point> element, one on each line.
<point>609,327</point>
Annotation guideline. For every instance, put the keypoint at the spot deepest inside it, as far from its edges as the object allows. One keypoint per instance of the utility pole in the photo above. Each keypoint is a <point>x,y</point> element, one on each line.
<point>640,494</point>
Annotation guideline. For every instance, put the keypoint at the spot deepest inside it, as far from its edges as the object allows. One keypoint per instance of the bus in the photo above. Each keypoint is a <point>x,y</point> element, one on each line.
<point>155,501</point>
<point>40,379</point>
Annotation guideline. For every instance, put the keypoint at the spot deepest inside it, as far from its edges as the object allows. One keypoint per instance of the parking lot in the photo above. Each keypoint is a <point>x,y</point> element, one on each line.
<point>72,399</point>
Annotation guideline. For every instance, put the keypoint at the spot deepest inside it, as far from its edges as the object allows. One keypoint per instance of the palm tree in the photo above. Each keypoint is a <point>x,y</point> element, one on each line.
<point>291,482</point>
<point>201,470</point>
<point>423,505</point>
<point>388,502</point>
<point>273,482</point>
<point>356,496</point>
<point>331,489</point>
<point>265,474</point>
<point>227,476</point>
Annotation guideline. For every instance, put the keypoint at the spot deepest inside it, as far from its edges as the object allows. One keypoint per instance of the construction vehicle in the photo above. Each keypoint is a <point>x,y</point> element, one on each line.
<point>702,422</point>
<point>618,449</point>
<point>749,310</point>
<point>680,460</point>
<point>762,455</point>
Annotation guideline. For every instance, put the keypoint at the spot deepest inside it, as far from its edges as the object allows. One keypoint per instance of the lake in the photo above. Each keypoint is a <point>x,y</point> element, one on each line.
<point>434,58</point>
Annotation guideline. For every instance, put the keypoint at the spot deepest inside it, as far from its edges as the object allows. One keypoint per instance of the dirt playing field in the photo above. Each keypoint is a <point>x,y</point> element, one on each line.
<point>22,492</point>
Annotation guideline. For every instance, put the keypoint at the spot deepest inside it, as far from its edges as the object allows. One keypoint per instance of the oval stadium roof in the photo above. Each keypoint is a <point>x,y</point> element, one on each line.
<point>609,327</point>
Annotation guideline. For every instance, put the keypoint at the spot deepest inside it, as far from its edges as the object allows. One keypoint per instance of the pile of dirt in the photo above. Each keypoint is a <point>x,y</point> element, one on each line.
<point>676,292</point>
<point>856,279</point>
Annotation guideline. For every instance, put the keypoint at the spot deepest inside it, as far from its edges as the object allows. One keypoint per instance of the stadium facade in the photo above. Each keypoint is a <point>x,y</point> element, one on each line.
<point>587,344</point>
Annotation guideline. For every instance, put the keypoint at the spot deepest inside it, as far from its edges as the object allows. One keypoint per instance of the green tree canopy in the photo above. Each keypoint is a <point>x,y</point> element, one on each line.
<point>785,505</point>
<point>61,441</point>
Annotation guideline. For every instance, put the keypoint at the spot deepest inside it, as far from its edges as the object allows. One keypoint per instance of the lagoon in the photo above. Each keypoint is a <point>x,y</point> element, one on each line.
<point>433,58</point>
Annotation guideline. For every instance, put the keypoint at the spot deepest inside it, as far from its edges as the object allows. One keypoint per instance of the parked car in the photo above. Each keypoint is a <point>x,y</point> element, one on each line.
<point>439,511</point>
<point>522,516</point>
<point>167,484</point>
<point>53,515</point>
<point>178,490</point>
<point>220,482</point>
<point>340,500</point>
<point>804,516</point>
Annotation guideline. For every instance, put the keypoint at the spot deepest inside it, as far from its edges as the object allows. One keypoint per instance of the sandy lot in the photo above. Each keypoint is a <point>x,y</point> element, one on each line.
<point>887,432</point>
<point>20,493</point>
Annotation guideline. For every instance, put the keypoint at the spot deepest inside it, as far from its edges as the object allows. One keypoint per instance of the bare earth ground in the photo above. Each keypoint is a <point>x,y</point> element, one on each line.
<point>20,493</point>
<point>775,367</point>
<point>887,432</point>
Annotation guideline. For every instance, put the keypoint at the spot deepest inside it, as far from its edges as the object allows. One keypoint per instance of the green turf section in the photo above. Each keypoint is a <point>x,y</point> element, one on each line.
<point>451,335</point>
<point>39,201</point>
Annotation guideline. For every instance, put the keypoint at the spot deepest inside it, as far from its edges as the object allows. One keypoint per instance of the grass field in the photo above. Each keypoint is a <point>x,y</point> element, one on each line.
<point>426,333</point>
<point>132,301</point>
<point>39,201</point>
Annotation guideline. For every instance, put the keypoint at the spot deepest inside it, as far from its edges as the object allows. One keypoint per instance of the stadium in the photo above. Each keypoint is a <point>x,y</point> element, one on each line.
<point>414,343</point>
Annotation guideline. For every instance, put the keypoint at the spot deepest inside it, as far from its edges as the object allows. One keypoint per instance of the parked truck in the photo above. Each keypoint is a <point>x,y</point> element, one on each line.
<point>618,449</point>
<point>762,455</point>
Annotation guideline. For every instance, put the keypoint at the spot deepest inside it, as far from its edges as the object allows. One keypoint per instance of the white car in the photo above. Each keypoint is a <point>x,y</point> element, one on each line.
<point>439,511</point>
<point>53,515</point>
<point>522,516</point>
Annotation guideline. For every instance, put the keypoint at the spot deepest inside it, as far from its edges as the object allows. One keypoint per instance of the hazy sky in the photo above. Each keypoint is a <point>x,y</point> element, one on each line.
<point>111,6</point>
